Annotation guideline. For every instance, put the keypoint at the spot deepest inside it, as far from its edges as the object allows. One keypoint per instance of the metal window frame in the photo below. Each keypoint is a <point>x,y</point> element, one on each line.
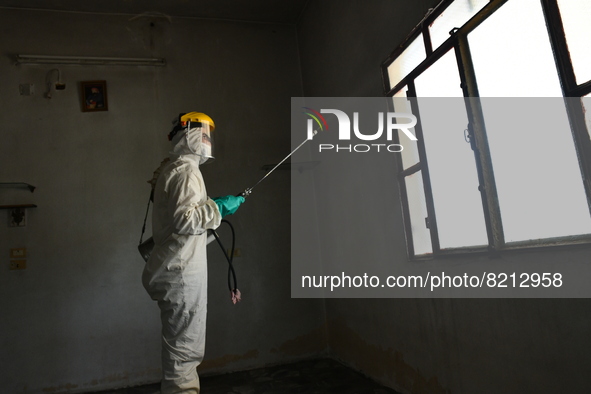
<point>570,88</point>
<point>458,41</point>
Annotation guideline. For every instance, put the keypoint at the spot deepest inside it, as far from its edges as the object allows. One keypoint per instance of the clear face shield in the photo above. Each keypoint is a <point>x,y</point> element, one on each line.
<point>200,140</point>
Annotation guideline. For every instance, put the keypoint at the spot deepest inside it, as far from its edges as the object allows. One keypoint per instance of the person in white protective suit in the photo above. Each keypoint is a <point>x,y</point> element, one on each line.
<point>175,275</point>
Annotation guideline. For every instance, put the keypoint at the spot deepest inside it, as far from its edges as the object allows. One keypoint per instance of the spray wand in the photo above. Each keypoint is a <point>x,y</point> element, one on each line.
<point>247,191</point>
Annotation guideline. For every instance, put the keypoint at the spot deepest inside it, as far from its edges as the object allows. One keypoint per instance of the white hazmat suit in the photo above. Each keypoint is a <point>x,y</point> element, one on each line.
<point>176,273</point>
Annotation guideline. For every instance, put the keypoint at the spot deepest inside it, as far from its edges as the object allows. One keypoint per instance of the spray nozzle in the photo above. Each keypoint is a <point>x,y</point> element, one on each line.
<point>245,193</point>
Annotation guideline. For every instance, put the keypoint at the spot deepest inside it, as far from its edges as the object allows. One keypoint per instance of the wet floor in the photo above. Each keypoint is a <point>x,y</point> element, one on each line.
<point>311,377</point>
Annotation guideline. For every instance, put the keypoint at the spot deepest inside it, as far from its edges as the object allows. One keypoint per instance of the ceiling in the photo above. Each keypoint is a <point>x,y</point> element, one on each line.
<point>266,11</point>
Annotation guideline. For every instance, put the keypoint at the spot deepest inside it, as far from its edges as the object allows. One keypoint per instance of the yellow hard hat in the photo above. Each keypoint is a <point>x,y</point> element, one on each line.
<point>195,117</point>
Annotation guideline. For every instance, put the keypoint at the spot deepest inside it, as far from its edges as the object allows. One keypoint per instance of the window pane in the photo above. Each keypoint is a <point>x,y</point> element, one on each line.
<point>442,79</point>
<point>452,168</point>
<point>452,171</point>
<point>539,182</point>
<point>410,58</point>
<point>512,55</point>
<point>418,212</point>
<point>576,17</point>
<point>410,153</point>
<point>458,13</point>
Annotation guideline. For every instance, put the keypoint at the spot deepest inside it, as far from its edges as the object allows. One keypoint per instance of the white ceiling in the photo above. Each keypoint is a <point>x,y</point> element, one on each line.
<point>274,11</point>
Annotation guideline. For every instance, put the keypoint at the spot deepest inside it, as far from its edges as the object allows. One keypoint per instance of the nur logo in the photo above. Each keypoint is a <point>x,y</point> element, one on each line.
<point>387,121</point>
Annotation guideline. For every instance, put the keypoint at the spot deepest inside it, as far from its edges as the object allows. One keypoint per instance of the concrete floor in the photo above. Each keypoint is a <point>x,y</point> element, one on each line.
<point>311,377</point>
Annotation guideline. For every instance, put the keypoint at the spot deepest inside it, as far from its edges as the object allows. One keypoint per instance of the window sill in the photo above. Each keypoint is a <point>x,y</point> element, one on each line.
<point>539,245</point>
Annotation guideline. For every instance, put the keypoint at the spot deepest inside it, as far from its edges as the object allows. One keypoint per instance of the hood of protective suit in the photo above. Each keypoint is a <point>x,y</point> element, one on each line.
<point>191,142</point>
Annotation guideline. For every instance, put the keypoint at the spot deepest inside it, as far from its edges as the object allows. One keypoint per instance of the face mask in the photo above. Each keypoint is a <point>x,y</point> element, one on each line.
<point>199,141</point>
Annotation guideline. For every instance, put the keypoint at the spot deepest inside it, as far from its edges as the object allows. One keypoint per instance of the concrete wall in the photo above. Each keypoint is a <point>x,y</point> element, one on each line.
<point>77,319</point>
<point>429,345</point>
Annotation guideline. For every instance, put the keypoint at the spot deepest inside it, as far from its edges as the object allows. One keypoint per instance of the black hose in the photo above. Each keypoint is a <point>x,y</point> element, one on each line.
<point>151,199</point>
<point>231,272</point>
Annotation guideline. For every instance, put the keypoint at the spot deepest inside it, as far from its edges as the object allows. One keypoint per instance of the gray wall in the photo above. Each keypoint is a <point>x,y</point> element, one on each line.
<point>428,345</point>
<point>77,319</point>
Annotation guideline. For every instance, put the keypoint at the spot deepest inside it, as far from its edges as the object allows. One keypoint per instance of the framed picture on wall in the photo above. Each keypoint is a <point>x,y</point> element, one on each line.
<point>94,96</point>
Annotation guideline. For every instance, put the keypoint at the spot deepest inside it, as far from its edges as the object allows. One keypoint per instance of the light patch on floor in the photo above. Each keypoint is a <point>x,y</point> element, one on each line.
<point>220,362</point>
<point>347,346</point>
<point>312,343</point>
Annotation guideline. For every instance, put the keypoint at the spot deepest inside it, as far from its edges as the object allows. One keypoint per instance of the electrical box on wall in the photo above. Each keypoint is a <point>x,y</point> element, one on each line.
<point>18,258</point>
<point>26,89</point>
<point>18,253</point>
<point>18,264</point>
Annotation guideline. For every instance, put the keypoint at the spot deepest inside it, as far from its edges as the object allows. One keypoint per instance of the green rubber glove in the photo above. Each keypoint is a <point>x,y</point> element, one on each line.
<point>228,204</point>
